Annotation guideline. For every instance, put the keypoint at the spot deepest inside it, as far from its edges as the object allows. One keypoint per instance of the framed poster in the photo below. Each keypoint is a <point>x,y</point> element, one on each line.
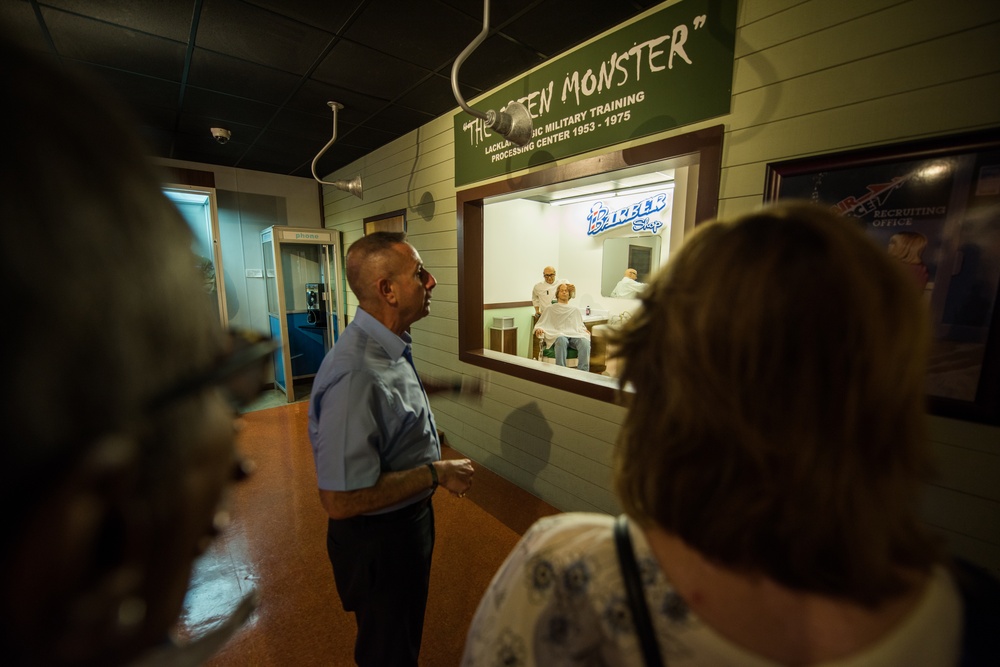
<point>934,205</point>
<point>386,222</point>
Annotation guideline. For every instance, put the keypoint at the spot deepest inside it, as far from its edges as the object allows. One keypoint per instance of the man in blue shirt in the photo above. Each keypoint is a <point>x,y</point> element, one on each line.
<point>377,453</point>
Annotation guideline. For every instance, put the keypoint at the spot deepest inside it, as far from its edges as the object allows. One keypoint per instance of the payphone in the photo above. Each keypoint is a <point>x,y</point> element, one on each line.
<point>316,304</point>
<point>305,301</point>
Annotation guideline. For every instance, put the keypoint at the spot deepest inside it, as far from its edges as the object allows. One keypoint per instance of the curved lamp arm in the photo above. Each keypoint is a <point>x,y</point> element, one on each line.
<point>514,123</point>
<point>461,59</point>
<point>354,185</point>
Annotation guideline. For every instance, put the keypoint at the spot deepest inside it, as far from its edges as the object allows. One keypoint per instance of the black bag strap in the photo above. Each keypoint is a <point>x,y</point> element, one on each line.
<point>636,597</point>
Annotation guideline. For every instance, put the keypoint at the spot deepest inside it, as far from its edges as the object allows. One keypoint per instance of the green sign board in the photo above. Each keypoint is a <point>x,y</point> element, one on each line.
<point>671,68</point>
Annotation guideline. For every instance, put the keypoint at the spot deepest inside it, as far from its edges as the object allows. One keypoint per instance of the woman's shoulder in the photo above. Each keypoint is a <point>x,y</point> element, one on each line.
<point>570,523</point>
<point>567,537</point>
<point>551,600</point>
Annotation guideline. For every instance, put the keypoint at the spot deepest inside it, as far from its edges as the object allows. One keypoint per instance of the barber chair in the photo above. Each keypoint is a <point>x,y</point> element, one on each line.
<point>550,353</point>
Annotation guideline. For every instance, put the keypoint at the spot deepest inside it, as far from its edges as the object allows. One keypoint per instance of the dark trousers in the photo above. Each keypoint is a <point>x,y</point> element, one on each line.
<point>382,567</point>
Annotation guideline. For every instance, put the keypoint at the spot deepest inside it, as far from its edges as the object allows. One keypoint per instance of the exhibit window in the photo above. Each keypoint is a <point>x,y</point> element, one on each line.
<point>592,220</point>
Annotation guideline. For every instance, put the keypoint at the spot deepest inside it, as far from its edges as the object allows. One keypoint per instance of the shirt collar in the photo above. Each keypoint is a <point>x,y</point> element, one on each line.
<point>393,345</point>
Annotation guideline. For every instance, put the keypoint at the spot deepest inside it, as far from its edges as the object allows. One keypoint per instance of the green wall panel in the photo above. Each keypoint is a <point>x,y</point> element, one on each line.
<point>671,68</point>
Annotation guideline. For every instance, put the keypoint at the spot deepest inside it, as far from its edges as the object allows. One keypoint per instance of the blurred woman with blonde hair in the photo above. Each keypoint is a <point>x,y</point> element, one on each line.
<point>769,468</point>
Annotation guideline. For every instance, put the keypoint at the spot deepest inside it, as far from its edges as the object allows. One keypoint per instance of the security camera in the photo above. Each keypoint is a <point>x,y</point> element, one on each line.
<point>221,134</point>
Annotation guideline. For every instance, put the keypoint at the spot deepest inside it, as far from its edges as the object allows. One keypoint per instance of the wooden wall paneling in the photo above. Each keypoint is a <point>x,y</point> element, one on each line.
<point>810,77</point>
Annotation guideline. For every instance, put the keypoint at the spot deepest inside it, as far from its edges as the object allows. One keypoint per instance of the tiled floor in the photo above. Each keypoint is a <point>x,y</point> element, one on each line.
<point>273,398</point>
<point>277,545</point>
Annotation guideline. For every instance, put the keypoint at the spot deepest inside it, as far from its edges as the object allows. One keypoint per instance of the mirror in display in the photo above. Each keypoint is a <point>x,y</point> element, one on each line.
<point>628,263</point>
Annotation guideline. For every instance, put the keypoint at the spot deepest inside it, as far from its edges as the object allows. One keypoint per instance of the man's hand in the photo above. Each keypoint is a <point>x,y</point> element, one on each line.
<point>455,475</point>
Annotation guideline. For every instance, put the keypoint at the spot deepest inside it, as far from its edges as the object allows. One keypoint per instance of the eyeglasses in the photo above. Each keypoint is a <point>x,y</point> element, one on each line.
<point>239,372</point>
<point>548,275</point>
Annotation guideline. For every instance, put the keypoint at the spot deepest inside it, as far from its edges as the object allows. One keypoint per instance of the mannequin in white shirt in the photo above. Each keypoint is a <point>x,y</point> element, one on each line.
<point>562,327</point>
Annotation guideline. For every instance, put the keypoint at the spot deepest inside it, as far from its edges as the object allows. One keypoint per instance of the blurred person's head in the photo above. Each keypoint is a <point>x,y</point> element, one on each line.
<point>116,454</point>
<point>565,292</point>
<point>777,424</point>
<point>549,274</point>
<point>907,247</point>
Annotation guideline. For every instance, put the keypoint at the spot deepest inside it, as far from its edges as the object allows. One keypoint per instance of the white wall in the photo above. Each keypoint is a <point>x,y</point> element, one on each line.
<point>811,76</point>
<point>580,255</point>
<point>298,202</point>
<point>249,202</point>
<point>521,238</point>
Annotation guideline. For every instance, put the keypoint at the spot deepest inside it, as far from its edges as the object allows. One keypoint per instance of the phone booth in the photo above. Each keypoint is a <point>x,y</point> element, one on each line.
<point>305,301</point>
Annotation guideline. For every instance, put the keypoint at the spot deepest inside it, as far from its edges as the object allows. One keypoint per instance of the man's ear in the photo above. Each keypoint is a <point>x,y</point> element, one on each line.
<point>386,291</point>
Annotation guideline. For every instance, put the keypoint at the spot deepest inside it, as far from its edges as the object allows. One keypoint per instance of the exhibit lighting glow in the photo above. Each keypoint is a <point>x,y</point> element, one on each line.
<point>933,171</point>
<point>609,194</point>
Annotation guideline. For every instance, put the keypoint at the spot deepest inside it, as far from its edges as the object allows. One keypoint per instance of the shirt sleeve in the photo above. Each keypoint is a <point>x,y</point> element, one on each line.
<point>349,433</point>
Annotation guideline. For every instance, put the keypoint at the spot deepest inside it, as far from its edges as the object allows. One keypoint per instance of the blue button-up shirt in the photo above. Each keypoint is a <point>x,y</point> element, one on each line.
<point>368,412</point>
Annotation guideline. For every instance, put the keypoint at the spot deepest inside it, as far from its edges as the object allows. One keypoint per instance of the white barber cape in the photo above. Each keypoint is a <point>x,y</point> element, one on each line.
<point>561,319</point>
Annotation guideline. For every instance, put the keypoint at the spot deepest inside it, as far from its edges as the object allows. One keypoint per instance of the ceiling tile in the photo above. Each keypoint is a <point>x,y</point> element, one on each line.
<point>18,22</point>
<point>356,67</point>
<point>500,12</point>
<point>430,35</point>
<point>313,96</point>
<point>227,108</point>
<point>574,20</point>
<point>225,74</point>
<point>294,149</point>
<point>158,141</point>
<point>99,43</point>
<point>306,125</point>
<point>154,117</point>
<point>322,14</point>
<point>202,144</point>
<point>163,18</point>
<point>265,69</point>
<point>250,33</point>
<point>137,89</point>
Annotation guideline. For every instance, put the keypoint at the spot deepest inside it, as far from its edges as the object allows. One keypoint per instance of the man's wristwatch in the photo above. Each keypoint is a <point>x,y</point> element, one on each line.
<point>434,476</point>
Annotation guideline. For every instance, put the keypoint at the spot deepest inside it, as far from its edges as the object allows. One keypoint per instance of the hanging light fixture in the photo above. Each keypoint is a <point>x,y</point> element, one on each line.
<point>354,185</point>
<point>514,122</point>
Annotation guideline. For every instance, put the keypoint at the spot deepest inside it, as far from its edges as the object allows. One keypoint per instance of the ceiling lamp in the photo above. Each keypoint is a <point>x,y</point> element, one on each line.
<point>354,185</point>
<point>514,122</point>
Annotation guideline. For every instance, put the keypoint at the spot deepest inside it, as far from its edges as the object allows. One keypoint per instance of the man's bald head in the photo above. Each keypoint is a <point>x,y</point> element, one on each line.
<point>370,259</point>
